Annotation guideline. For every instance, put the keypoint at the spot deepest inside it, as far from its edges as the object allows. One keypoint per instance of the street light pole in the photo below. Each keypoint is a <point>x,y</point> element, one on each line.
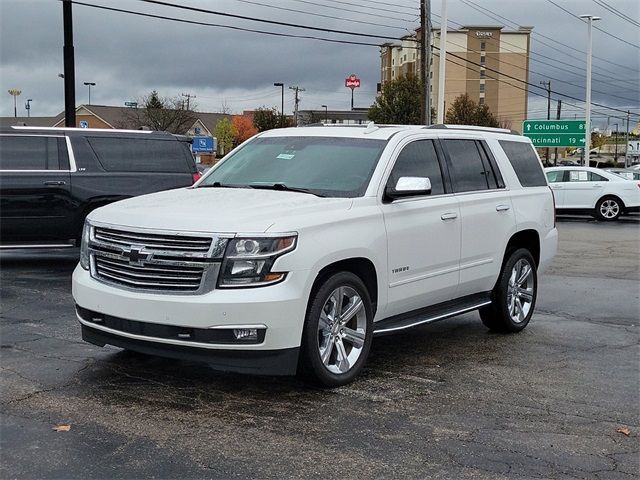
<point>587,140</point>
<point>27,106</point>
<point>90,84</point>
<point>326,113</point>
<point>15,93</point>
<point>281,85</point>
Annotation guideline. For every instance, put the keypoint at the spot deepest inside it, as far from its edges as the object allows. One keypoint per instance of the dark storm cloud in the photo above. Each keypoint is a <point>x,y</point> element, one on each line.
<point>127,56</point>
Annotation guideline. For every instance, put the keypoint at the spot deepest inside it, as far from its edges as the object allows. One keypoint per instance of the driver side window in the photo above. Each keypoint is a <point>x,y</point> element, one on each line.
<point>418,159</point>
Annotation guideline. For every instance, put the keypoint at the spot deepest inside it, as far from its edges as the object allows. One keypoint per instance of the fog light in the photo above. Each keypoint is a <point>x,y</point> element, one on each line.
<point>246,333</point>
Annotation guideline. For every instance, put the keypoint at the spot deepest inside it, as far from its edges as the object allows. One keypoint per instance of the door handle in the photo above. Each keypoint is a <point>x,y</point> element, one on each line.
<point>502,208</point>
<point>556,187</point>
<point>55,182</point>
<point>596,186</point>
<point>449,216</point>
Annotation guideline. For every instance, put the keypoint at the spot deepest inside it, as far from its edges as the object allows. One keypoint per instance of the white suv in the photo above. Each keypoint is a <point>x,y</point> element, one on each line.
<point>304,243</point>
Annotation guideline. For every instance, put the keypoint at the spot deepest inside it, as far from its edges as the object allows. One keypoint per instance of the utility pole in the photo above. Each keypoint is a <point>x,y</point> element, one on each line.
<point>626,143</point>
<point>587,133</point>
<point>297,90</point>
<point>281,85</point>
<point>69,66</point>
<point>443,62</point>
<point>188,96</point>
<point>615,155</point>
<point>425,55</point>
<point>547,84</point>
<point>555,160</point>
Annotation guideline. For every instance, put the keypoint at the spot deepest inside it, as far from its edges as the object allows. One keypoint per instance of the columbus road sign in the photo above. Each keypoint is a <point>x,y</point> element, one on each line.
<point>555,133</point>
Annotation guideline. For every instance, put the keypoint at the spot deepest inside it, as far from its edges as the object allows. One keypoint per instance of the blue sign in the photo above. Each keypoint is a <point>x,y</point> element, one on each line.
<point>84,124</point>
<point>203,145</point>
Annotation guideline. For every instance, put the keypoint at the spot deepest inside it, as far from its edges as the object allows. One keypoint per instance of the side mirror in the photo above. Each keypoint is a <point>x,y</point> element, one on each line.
<point>409,187</point>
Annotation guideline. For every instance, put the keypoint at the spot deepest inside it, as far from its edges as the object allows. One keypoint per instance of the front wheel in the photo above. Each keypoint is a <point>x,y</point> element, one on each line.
<point>514,296</point>
<point>608,209</point>
<point>338,331</point>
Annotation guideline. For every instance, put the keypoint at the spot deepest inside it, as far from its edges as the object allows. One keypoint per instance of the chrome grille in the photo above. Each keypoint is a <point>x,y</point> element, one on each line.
<point>171,262</point>
<point>154,241</point>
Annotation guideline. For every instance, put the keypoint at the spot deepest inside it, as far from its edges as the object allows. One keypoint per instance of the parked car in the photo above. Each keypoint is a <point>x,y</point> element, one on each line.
<point>316,239</point>
<point>627,173</point>
<point>598,192</point>
<point>51,178</point>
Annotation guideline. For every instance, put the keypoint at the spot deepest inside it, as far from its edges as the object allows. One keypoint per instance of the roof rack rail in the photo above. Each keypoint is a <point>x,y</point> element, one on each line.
<point>474,128</point>
<point>59,129</point>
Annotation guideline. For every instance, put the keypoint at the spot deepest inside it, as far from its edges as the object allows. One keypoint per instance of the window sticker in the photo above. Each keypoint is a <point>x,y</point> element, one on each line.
<point>578,176</point>
<point>285,156</point>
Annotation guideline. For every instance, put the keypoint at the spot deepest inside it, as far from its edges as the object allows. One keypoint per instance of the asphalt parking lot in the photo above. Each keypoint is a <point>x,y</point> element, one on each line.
<point>447,400</point>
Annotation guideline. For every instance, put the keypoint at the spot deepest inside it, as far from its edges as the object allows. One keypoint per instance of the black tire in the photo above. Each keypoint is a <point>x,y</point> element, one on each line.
<point>311,366</point>
<point>498,316</point>
<point>609,209</point>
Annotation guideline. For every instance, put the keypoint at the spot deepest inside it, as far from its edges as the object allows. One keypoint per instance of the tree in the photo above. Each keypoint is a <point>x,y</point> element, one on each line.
<point>399,102</point>
<point>162,114</point>
<point>265,118</point>
<point>225,133</point>
<point>598,140</point>
<point>244,128</point>
<point>464,111</point>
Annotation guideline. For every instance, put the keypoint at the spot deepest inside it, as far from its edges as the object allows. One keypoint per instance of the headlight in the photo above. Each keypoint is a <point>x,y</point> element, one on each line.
<point>84,246</point>
<point>248,261</point>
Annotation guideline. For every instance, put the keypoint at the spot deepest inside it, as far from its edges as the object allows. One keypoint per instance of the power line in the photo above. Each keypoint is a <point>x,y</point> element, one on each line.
<point>594,26</point>
<point>311,37</point>
<point>230,27</point>
<point>342,9</point>
<point>263,20</point>
<point>317,14</point>
<point>499,18</point>
<point>616,12</point>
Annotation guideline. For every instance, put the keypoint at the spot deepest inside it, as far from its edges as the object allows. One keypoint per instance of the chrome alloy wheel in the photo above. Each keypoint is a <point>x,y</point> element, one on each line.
<point>609,208</point>
<point>520,290</point>
<point>342,330</point>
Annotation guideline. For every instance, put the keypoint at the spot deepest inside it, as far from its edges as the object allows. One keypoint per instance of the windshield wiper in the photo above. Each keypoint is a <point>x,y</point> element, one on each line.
<point>284,188</point>
<point>220,185</point>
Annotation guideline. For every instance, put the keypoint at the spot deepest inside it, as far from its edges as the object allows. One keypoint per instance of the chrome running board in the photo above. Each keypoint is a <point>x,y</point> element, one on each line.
<point>431,314</point>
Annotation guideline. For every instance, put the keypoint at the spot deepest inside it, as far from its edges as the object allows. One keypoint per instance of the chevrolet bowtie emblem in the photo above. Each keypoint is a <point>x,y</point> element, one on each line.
<point>137,255</point>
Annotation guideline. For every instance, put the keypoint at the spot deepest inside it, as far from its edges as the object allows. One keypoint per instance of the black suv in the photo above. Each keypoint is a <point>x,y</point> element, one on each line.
<point>51,178</point>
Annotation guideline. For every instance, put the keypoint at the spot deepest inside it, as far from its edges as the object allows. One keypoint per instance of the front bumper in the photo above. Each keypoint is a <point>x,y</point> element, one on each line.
<point>260,362</point>
<point>280,309</point>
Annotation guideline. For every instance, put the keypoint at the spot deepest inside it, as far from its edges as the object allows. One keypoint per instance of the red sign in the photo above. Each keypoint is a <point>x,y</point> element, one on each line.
<point>352,82</point>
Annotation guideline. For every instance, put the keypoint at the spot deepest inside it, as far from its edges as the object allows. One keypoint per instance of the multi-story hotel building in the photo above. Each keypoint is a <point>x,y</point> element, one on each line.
<point>475,56</point>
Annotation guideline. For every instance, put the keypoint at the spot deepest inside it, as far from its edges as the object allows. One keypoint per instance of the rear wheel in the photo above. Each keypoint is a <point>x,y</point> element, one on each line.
<point>514,296</point>
<point>338,331</point>
<point>609,209</point>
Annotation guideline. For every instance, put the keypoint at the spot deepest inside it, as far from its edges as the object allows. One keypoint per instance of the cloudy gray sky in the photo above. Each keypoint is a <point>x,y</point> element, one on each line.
<point>127,55</point>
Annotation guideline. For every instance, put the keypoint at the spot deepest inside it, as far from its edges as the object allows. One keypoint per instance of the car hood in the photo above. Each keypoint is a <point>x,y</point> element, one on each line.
<point>220,210</point>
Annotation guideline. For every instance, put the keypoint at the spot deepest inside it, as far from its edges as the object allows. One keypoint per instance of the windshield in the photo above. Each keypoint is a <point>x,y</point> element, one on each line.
<point>324,166</point>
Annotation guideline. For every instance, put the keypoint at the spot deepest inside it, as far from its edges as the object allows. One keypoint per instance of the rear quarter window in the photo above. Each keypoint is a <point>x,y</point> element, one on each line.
<point>525,163</point>
<point>139,155</point>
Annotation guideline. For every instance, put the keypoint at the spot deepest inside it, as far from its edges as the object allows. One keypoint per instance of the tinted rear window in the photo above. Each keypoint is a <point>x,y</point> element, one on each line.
<point>466,166</point>
<point>28,153</point>
<point>525,163</point>
<point>139,155</point>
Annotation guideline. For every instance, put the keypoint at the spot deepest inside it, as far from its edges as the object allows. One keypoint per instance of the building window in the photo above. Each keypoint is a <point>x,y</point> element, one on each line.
<point>481,102</point>
<point>393,61</point>
<point>483,46</point>
<point>405,57</point>
<point>482,88</point>
<point>482,73</point>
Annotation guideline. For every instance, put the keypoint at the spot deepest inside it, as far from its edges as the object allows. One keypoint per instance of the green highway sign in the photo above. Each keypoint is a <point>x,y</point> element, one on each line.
<point>555,133</point>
